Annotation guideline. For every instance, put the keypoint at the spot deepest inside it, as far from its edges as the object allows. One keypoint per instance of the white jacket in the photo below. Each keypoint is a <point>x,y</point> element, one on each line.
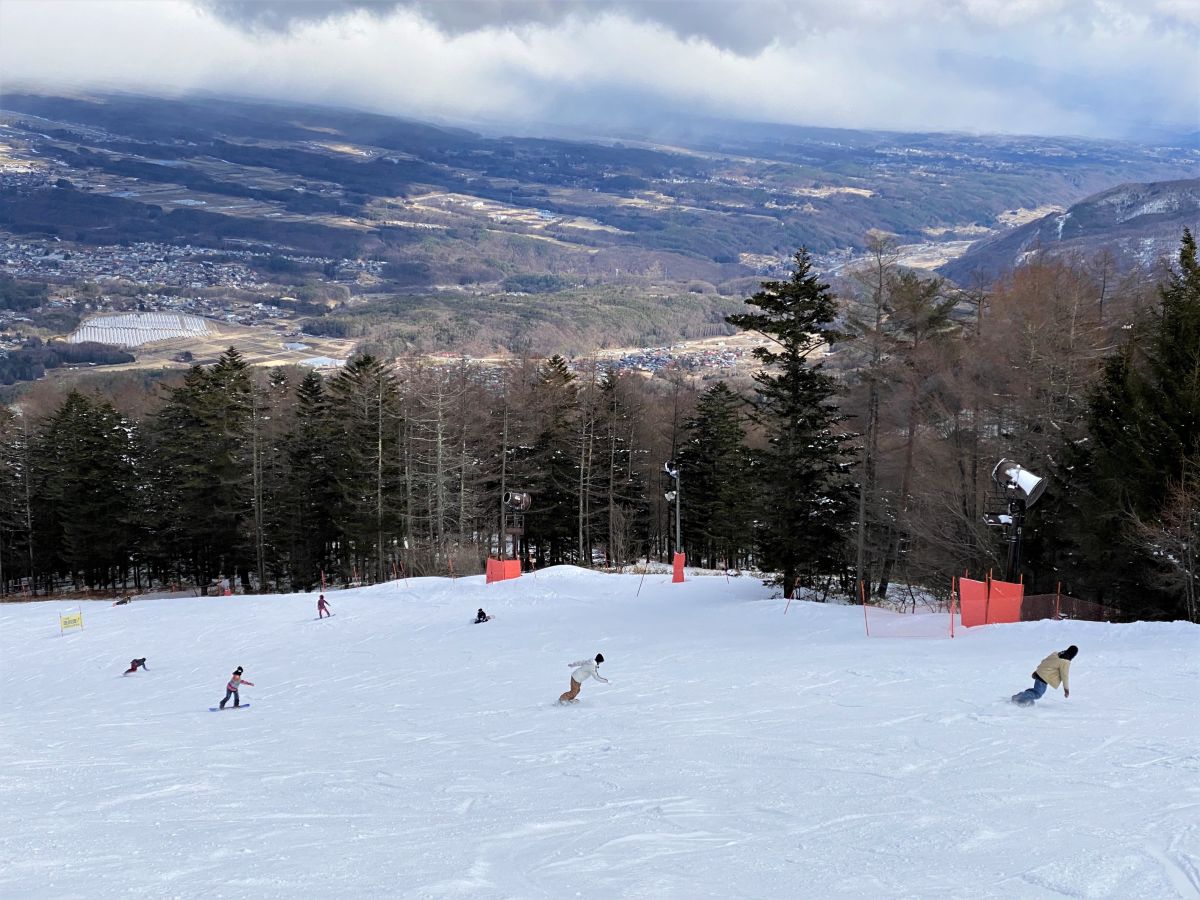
<point>585,669</point>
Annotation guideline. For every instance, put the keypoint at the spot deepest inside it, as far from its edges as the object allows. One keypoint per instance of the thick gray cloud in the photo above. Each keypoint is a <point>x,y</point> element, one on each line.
<point>741,26</point>
<point>1096,67</point>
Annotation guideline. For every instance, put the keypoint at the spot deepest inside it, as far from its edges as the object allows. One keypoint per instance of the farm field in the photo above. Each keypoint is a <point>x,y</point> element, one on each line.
<point>258,345</point>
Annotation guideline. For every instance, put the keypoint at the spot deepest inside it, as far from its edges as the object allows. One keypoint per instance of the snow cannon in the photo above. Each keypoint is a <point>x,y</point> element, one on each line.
<point>517,500</point>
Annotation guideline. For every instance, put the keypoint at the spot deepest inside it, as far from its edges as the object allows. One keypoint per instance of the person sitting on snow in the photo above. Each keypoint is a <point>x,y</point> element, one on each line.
<point>1055,669</point>
<point>481,616</point>
<point>135,664</point>
<point>584,669</point>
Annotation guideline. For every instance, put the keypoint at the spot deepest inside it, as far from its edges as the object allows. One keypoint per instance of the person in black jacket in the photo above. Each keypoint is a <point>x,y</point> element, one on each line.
<point>134,665</point>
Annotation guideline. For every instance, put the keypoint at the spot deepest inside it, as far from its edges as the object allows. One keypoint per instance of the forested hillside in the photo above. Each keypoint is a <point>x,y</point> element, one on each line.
<point>1128,226</point>
<point>872,460</point>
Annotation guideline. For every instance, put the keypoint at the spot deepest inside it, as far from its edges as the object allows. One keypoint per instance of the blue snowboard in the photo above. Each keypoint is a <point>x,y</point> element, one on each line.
<point>218,709</point>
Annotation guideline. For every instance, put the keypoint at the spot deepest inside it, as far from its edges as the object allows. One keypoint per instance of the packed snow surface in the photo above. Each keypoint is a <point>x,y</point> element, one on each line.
<point>398,750</point>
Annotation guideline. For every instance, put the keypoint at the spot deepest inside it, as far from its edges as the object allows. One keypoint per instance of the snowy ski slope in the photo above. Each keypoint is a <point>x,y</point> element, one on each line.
<point>397,750</point>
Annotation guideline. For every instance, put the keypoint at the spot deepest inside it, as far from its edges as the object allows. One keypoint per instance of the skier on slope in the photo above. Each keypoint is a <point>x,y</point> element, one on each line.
<point>231,689</point>
<point>322,608</point>
<point>134,665</point>
<point>1055,669</point>
<point>584,669</point>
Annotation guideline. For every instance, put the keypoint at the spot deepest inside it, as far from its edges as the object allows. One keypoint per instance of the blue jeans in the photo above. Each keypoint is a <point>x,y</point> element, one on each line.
<point>1033,693</point>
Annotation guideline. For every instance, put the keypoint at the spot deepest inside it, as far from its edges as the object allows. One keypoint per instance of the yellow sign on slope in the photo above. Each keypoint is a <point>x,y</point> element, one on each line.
<point>70,620</point>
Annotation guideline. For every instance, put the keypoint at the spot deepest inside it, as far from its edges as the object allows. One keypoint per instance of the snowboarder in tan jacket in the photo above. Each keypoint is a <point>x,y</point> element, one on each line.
<point>584,669</point>
<point>1054,670</point>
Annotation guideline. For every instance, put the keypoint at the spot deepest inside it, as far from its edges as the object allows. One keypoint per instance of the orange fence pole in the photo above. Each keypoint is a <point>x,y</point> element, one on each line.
<point>987,600</point>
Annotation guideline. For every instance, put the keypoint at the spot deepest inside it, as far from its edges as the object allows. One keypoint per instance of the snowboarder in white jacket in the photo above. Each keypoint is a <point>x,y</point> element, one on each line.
<point>584,669</point>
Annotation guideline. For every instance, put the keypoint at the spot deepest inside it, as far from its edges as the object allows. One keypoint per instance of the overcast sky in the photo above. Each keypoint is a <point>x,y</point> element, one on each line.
<point>1106,68</point>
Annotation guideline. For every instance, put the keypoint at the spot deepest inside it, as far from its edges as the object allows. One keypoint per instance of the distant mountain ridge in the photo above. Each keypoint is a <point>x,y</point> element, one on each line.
<point>411,237</point>
<point>1137,223</point>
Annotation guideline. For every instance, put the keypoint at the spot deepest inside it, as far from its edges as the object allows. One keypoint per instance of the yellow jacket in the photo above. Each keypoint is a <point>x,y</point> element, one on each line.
<point>1054,670</point>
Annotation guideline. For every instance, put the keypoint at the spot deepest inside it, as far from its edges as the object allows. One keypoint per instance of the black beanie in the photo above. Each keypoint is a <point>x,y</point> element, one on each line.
<point>599,658</point>
<point>1071,652</point>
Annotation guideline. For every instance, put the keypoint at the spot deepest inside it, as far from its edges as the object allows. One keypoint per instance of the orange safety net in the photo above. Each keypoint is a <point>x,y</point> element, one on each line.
<point>503,569</point>
<point>972,602</point>
<point>677,569</point>
<point>1004,602</point>
<point>883,622</point>
<point>989,602</point>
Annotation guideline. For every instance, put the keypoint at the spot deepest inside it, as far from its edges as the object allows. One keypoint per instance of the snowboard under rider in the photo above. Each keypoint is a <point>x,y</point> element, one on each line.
<point>322,608</point>
<point>481,616</point>
<point>135,664</point>
<point>1055,669</point>
<point>231,689</point>
<point>584,669</point>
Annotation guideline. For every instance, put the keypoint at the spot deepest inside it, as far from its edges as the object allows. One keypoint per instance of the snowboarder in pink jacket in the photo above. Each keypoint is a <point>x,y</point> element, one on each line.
<point>322,608</point>
<point>231,689</point>
<point>584,669</point>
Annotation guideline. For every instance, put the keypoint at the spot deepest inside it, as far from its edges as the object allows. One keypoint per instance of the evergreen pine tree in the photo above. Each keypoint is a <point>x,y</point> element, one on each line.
<point>1143,446</point>
<point>550,466</point>
<point>365,395</point>
<point>312,491</point>
<point>803,491</point>
<point>204,492</point>
<point>716,510</point>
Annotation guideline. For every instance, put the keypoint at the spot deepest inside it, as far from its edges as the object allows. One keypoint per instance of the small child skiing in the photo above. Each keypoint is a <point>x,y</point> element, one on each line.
<point>231,689</point>
<point>1055,669</point>
<point>584,669</point>
<point>481,616</point>
<point>322,608</point>
<point>134,665</point>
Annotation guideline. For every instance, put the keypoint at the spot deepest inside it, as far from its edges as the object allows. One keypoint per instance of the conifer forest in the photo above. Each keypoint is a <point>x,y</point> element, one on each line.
<point>861,451</point>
